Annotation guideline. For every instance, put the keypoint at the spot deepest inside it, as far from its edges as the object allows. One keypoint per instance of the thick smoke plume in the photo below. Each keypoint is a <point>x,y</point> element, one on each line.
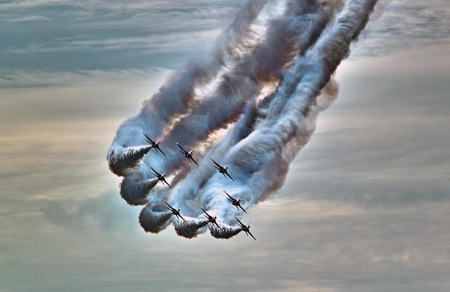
<point>252,104</point>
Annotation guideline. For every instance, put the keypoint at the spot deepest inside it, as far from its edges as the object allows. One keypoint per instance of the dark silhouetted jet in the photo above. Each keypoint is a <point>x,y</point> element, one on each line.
<point>222,169</point>
<point>187,154</point>
<point>155,145</point>
<point>175,212</point>
<point>211,219</point>
<point>161,177</point>
<point>235,202</point>
<point>244,228</point>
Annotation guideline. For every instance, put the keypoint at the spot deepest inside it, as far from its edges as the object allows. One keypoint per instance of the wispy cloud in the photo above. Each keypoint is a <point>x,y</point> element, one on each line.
<point>105,212</point>
<point>28,19</point>
<point>173,42</point>
<point>41,78</point>
<point>53,30</point>
<point>384,142</point>
<point>406,25</point>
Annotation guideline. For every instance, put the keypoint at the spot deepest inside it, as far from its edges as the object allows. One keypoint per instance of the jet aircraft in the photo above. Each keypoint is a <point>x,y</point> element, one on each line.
<point>175,212</point>
<point>235,202</point>
<point>222,169</point>
<point>155,145</point>
<point>211,218</point>
<point>244,228</point>
<point>161,177</point>
<point>187,154</point>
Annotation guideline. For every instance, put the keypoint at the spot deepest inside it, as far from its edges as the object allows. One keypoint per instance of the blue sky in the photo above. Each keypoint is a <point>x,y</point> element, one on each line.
<point>364,207</point>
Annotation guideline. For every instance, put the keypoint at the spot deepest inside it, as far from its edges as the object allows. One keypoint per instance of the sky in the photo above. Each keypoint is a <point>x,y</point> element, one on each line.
<point>365,204</point>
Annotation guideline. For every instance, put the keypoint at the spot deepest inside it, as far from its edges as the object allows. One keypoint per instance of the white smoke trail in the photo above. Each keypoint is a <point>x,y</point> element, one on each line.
<point>261,65</point>
<point>268,132</point>
<point>250,159</point>
<point>258,160</point>
<point>175,97</point>
<point>308,21</point>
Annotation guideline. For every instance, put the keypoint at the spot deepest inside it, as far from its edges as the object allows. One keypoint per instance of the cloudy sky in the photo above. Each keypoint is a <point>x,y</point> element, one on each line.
<point>365,206</point>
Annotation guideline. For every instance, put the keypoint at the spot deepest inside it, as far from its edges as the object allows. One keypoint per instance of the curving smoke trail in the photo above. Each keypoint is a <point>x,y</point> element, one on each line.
<point>261,66</point>
<point>177,95</point>
<point>266,86</point>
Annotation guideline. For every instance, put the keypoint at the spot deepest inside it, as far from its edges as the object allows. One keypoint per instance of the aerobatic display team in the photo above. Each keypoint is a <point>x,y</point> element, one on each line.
<point>239,115</point>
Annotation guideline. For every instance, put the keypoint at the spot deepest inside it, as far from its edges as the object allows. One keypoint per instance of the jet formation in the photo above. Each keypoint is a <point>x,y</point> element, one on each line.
<point>222,169</point>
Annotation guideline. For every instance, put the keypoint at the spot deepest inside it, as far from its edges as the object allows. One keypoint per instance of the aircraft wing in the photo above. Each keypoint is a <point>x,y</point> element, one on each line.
<point>207,215</point>
<point>195,162</point>
<point>148,138</point>
<point>170,207</point>
<point>216,163</point>
<point>167,184</point>
<point>161,151</point>
<point>231,198</point>
<point>218,225</point>
<point>184,151</point>
<point>155,171</point>
<point>240,223</point>
<point>242,208</point>
<point>251,235</point>
<point>229,176</point>
<point>182,218</point>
